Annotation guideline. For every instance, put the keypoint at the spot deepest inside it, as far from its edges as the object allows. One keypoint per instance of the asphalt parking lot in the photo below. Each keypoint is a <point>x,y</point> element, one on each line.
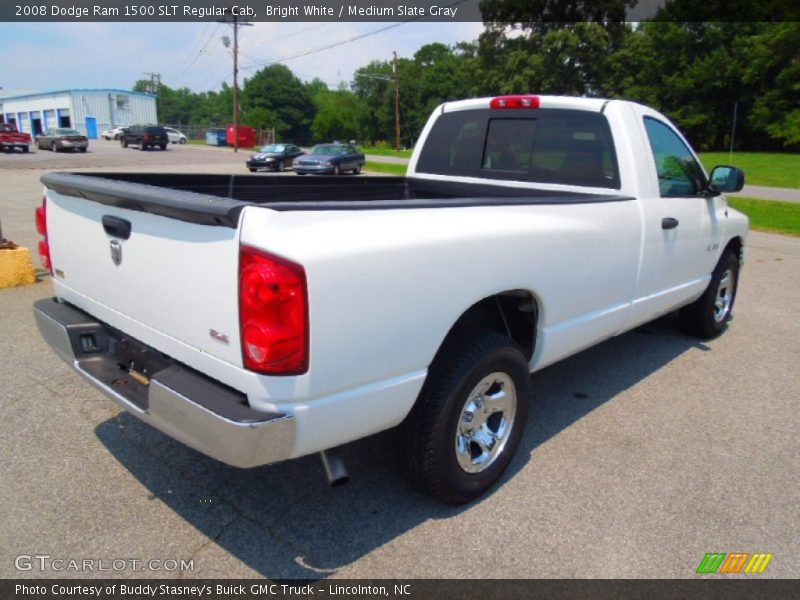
<point>640,455</point>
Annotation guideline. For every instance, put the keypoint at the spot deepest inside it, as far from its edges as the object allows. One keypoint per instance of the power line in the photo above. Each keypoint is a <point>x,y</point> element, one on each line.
<point>322,48</point>
<point>199,54</point>
<point>195,46</point>
<point>340,42</point>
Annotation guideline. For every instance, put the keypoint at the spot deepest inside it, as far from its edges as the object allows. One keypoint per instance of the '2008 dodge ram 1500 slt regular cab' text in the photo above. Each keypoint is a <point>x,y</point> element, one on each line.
<point>261,319</point>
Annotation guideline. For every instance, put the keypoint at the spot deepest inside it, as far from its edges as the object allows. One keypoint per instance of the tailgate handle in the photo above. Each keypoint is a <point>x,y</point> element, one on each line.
<point>116,227</point>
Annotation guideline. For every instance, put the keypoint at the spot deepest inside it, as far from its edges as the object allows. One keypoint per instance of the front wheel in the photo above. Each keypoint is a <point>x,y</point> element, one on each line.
<point>183,140</point>
<point>336,170</point>
<point>468,420</point>
<point>357,170</point>
<point>123,142</point>
<point>708,316</point>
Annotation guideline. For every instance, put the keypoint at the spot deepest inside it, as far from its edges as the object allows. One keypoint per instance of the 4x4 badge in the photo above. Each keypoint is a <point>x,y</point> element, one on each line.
<point>116,252</point>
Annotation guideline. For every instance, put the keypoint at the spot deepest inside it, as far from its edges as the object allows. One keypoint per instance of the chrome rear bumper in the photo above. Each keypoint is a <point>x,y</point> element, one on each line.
<point>176,400</point>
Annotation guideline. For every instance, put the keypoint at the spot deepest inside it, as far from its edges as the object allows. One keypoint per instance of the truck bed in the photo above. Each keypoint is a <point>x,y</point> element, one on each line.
<point>218,199</point>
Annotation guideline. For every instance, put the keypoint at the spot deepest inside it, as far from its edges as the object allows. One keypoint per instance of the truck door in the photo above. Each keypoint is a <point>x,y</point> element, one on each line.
<point>687,230</point>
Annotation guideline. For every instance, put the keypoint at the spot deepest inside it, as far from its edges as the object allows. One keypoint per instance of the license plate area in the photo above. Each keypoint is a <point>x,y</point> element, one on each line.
<point>126,366</point>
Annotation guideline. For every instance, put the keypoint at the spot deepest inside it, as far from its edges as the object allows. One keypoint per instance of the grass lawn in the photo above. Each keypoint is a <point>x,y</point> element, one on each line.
<point>385,151</point>
<point>771,169</point>
<point>390,168</point>
<point>770,215</point>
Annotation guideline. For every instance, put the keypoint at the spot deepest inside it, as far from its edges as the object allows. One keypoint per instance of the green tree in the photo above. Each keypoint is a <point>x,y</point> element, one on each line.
<point>338,116</point>
<point>277,90</point>
<point>262,118</point>
<point>773,71</point>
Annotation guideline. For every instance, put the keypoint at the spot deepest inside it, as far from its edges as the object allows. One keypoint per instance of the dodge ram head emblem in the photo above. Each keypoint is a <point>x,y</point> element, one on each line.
<point>116,252</point>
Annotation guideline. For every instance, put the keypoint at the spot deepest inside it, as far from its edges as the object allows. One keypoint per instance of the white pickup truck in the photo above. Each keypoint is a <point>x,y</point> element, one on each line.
<point>262,318</point>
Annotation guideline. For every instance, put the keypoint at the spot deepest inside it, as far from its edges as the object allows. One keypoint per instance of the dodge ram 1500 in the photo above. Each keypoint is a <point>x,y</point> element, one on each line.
<point>258,319</point>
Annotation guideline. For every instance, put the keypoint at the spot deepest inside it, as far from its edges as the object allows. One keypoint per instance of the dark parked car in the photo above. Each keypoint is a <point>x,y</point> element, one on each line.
<point>58,138</point>
<point>275,156</point>
<point>330,159</point>
<point>145,136</point>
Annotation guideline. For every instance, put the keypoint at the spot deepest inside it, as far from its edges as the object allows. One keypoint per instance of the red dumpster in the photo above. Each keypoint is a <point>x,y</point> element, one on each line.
<point>247,136</point>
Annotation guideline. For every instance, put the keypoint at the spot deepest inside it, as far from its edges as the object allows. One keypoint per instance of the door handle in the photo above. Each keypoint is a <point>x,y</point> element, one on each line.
<point>116,227</point>
<point>669,223</point>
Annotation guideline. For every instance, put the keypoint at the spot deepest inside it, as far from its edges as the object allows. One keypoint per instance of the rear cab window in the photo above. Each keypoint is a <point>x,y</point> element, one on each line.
<point>560,146</point>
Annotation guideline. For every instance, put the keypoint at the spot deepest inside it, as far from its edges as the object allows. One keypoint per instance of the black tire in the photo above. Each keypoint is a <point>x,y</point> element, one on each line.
<point>299,173</point>
<point>182,141</point>
<point>162,146</point>
<point>82,150</point>
<point>38,145</point>
<point>252,170</point>
<point>123,142</point>
<point>53,147</point>
<point>357,170</point>
<point>142,146</point>
<point>427,438</point>
<point>708,316</point>
<point>279,166</point>
<point>336,170</point>
<point>25,149</point>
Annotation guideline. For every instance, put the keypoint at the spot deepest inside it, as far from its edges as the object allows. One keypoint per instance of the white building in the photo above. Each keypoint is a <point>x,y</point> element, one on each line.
<point>89,111</point>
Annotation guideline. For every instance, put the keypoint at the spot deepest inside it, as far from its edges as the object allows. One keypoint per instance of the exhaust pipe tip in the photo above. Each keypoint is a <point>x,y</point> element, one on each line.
<point>335,468</point>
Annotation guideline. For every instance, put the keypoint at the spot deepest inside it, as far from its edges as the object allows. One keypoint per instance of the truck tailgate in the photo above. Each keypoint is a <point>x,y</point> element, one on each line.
<point>175,277</point>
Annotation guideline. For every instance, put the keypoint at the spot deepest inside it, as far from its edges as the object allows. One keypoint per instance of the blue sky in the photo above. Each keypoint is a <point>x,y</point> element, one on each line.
<point>46,56</point>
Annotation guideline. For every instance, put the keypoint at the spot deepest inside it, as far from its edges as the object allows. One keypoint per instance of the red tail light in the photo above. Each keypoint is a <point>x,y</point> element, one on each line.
<point>41,227</point>
<point>146,136</point>
<point>514,102</point>
<point>273,313</point>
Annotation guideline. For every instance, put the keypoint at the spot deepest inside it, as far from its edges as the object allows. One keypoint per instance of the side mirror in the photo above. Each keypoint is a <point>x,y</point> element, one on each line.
<point>726,179</point>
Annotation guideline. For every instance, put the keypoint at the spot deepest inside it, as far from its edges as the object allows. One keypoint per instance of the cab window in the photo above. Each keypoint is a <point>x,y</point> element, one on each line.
<point>679,174</point>
<point>570,147</point>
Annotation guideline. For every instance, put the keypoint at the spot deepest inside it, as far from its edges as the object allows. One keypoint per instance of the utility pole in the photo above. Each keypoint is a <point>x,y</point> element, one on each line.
<point>234,22</point>
<point>733,129</point>
<point>396,103</point>
<point>154,87</point>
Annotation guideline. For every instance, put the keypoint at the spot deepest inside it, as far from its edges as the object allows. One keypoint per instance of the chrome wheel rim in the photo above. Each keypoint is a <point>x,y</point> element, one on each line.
<point>724,297</point>
<point>485,422</point>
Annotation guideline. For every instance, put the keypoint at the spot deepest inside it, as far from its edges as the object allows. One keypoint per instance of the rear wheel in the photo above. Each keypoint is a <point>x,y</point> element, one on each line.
<point>123,142</point>
<point>252,170</point>
<point>142,146</point>
<point>183,140</point>
<point>279,166</point>
<point>468,420</point>
<point>162,146</point>
<point>357,170</point>
<point>24,149</point>
<point>708,316</point>
<point>336,170</point>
